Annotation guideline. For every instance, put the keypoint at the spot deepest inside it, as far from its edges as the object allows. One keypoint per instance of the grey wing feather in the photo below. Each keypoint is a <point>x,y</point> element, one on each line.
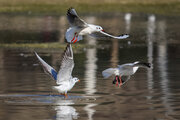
<point>47,68</point>
<point>142,64</point>
<point>74,19</point>
<point>67,65</point>
<point>124,36</point>
<point>109,72</point>
<point>125,79</point>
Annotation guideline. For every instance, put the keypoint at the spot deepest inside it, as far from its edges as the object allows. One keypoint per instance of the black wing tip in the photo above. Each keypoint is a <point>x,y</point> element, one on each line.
<point>144,64</point>
<point>69,10</point>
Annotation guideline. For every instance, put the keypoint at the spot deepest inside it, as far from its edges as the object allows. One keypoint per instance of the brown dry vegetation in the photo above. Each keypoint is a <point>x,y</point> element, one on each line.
<point>60,6</point>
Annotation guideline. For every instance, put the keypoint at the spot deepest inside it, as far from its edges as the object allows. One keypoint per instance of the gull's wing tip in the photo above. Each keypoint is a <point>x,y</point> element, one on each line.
<point>123,36</point>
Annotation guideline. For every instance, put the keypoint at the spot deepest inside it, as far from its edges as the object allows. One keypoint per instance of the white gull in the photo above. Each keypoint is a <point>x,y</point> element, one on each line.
<point>79,28</point>
<point>63,78</point>
<point>123,72</point>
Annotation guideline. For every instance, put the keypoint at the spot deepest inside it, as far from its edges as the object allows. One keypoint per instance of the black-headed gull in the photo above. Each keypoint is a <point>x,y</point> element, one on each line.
<point>63,78</point>
<point>79,27</point>
<point>123,72</point>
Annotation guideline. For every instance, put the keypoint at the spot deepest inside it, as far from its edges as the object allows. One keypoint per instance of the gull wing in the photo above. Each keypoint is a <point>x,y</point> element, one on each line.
<point>125,79</point>
<point>142,64</point>
<point>67,65</point>
<point>47,68</point>
<point>108,72</point>
<point>74,19</point>
<point>103,34</point>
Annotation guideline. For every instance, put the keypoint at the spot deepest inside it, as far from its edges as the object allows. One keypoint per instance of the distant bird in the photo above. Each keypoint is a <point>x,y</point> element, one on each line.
<point>63,78</point>
<point>79,28</point>
<point>123,72</point>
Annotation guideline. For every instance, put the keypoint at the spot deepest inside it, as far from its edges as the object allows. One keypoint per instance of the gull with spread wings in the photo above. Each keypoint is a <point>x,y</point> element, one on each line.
<point>123,72</point>
<point>79,27</point>
<point>63,78</point>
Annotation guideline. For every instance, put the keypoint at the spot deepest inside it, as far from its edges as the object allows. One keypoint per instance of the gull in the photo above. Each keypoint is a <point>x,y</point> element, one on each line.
<point>63,78</point>
<point>79,28</point>
<point>123,72</point>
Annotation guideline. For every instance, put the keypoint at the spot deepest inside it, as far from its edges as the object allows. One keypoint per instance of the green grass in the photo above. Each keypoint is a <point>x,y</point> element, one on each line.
<point>167,7</point>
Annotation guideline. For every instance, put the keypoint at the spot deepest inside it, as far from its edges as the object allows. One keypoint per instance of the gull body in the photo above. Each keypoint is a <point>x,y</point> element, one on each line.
<point>63,77</point>
<point>79,28</point>
<point>123,72</point>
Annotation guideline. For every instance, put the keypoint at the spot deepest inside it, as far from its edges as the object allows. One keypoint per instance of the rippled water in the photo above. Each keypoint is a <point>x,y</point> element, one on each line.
<point>153,94</point>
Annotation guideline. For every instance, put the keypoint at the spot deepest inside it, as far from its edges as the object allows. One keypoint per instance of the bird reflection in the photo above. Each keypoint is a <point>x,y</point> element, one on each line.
<point>64,111</point>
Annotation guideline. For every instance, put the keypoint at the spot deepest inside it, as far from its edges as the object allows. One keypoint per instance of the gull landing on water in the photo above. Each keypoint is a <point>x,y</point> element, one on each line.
<point>63,78</point>
<point>123,72</point>
<point>79,28</point>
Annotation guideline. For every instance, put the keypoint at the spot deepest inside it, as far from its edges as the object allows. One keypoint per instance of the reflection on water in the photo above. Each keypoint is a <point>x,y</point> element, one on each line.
<point>150,39</point>
<point>152,93</point>
<point>162,61</point>
<point>64,111</point>
<point>90,72</point>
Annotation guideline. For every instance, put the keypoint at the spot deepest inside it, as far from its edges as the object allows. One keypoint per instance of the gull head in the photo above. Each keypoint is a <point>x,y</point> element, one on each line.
<point>75,80</point>
<point>99,28</point>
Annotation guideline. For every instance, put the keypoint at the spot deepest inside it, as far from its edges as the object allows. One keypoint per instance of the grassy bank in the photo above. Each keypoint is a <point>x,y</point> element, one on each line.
<point>167,7</point>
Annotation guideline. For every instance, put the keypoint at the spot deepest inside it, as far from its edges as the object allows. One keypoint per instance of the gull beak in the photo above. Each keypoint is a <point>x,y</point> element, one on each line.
<point>103,30</point>
<point>78,80</point>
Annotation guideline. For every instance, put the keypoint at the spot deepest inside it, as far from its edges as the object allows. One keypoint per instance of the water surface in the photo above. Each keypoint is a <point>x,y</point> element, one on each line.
<point>153,94</point>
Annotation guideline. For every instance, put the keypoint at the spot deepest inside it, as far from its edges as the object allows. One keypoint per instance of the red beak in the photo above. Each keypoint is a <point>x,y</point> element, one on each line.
<point>103,30</point>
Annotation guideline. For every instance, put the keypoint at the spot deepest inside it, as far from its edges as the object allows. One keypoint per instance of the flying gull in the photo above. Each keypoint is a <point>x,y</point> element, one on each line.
<point>79,27</point>
<point>63,77</point>
<point>123,72</point>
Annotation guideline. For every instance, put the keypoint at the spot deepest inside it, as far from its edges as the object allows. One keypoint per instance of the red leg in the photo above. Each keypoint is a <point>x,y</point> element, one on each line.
<point>116,81</point>
<point>66,96</point>
<point>120,81</point>
<point>75,40</point>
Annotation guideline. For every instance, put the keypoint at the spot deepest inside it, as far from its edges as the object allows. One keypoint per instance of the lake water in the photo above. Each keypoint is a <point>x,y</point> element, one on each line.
<point>153,94</point>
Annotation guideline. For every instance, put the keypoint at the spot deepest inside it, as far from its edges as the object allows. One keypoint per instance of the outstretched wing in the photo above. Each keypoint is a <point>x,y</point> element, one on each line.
<point>124,36</point>
<point>67,65</point>
<point>102,34</point>
<point>47,68</point>
<point>74,19</point>
<point>108,72</point>
<point>125,79</point>
<point>142,64</point>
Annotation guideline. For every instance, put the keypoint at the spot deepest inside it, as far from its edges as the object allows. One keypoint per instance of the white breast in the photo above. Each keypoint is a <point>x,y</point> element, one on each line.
<point>86,31</point>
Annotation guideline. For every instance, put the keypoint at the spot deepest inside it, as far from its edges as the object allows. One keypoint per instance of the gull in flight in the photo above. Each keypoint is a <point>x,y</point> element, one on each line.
<point>79,27</point>
<point>63,77</point>
<point>123,72</point>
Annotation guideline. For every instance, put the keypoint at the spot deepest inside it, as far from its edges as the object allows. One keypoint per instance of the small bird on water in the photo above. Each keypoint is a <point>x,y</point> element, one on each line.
<point>79,28</point>
<point>123,72</point>
<point>63,78</point>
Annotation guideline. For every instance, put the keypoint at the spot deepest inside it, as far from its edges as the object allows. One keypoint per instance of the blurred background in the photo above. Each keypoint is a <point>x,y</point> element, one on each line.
<point>40,25</point>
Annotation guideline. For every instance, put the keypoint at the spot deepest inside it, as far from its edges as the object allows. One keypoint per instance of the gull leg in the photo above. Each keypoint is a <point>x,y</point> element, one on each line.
<point>120,81</point>
<point>116,80</point>
<point>73,39</point>
<point>65,94</point>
